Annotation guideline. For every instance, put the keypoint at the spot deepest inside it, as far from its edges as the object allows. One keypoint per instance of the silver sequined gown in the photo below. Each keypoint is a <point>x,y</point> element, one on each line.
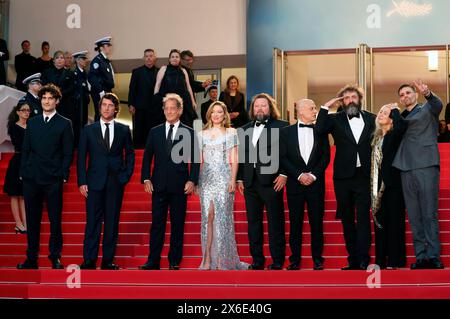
<point>215,175</point>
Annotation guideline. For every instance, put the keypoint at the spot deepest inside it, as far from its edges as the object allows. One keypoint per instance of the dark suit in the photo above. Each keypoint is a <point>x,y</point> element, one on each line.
<point>169,178</point>
<point>351,184</point>
<point>3,58</point>
<point>204,108</point>
<point>107,174</point>
<point>101,79</point>
<point>195,85</point>
<point>81,101</point>
<point>25,65</point>
<point>297,194</point>
<point>64,79</point>
<point>46,157</point>
<point>34,103</point>
<point>390,248</point>
<point>258,189</point>
<point>140,95</point>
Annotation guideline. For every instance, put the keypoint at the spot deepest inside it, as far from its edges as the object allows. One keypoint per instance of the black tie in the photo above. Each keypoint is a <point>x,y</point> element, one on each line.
<point>169,140</point>
<point>106,137</point>
<point>352,116</point>
<point>46,119</point>
<point>305,125</point>
<point>258,123</point>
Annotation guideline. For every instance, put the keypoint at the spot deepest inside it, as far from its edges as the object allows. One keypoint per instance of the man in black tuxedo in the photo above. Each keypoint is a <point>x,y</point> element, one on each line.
<point>4,56</point>
<point>187,62</point>
<point>34,84</point>
<point>145,113</point>
<point>25,65</point>
<point>305,156</point>
<point>352,130</point>
<point>171,147</point>
<point>108,146</point>
<point>46,156</point>
<point>213,94</point>
<point>261,180</point>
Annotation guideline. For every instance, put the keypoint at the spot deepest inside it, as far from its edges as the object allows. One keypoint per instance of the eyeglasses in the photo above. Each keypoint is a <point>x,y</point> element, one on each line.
<point>25,110</point>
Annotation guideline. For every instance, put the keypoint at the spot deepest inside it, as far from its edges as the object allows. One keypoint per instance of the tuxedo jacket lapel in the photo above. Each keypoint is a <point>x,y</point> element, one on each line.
<point>367,128</point>
<point>99,135</point>
<point>343,120</point>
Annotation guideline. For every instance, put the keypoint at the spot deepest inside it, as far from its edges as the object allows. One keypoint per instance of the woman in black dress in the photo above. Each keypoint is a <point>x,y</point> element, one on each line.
<point>172,78</point>
<point>388,206</point>
<point>235,102</point>
<point>17,123</point>
<point>45,61</point>
<point>65,80</point>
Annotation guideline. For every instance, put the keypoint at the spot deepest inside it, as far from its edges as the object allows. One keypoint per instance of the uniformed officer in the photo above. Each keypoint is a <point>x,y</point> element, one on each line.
<point>34,84</point>
<point>101,73</point>
<point>81,96</point>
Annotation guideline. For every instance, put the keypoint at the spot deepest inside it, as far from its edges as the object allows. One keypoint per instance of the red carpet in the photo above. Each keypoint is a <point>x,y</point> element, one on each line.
<point>191,283</point>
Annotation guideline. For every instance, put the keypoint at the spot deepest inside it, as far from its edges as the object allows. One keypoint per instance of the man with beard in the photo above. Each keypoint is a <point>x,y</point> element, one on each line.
<point>418,160</point>
<point>261,180</point>
<point>352,130</point>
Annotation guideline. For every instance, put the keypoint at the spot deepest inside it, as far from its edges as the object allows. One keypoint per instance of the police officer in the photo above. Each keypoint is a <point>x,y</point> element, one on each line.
<point>101,73</point>
<point>33,84</point>
<point>81,96</point>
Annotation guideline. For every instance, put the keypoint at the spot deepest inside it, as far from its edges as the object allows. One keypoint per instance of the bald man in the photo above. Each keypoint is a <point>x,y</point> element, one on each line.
<point>304,156</point>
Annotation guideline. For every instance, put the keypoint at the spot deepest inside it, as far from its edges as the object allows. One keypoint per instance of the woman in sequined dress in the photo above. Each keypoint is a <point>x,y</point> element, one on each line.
<point>217,185</point>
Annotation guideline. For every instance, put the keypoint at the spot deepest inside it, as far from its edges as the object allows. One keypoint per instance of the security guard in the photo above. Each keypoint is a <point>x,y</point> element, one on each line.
<point>81,96</point>
<point>33,84</point>
<point>101,73</point>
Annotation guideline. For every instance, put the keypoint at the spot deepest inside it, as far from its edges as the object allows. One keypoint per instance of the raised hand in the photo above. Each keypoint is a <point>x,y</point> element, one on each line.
<point>332,103</point>
<point>422,87</point>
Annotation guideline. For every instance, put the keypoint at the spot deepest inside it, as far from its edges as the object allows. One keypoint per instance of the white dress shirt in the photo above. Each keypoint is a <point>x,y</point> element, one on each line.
<point>257,130</point>
<point>175,127</point>
<point>305,141</point>
<point>111,130</point>
<point>357,127</point>
<point>49,115</point>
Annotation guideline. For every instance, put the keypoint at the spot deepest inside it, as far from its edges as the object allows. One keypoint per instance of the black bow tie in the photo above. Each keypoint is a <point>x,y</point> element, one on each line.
<point>305,125</point>
<point>258,123</point>
<point>352,116</point>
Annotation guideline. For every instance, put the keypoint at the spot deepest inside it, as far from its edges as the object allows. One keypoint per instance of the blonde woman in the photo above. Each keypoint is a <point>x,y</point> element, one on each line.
<point>388,206</point>
<point>217,184</point>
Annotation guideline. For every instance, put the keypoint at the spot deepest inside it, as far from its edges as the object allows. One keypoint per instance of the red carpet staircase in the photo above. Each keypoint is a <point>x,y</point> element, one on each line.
<point>191,283</point>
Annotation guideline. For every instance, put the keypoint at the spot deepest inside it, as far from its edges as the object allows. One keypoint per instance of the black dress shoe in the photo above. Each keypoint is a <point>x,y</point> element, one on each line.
<point>420,264</point>
<point>275,267</point>
<point>256,267</point>
<point>110,266</point>
<point>317,265</point>
<point>293,266</point>
<point>88,264</point>
<point>56,264</point>
<point>174,267</point>
<point>149,266</point>
<point>351,267</point>
<point>28,264</point>
<point>435,263</point>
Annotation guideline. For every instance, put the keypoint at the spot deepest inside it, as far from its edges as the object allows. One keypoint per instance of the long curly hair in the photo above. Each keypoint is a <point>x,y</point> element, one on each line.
<point>226,119</point>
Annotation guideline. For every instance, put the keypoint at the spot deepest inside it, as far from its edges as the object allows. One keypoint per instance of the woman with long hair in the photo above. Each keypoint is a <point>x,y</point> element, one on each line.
<point>217,185</point>
<point>235,102</point>
<point>388,206</point>
<point>45,61</point>
<point>172,78</point>
<point>17,124</point>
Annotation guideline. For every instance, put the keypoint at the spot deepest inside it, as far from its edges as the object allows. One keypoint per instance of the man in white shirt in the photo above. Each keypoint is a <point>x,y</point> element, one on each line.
<point>305,155</point>
<point>352,130</point>
<point>108,146</point>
